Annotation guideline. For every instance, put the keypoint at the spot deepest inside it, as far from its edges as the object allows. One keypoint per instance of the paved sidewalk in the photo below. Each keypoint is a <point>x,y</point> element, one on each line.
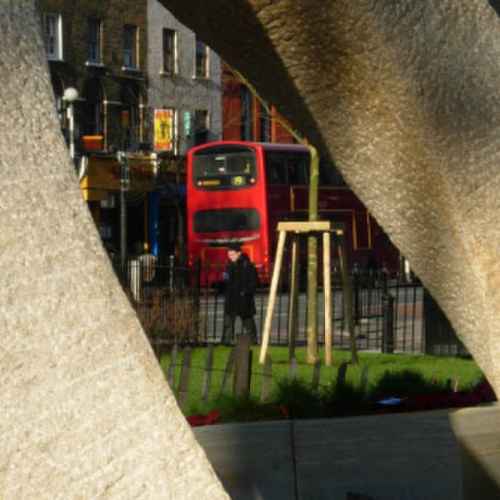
<point>388,457</point>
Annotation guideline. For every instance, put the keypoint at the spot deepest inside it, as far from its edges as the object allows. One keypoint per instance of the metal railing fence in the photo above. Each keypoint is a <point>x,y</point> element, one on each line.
<point>175,305</point>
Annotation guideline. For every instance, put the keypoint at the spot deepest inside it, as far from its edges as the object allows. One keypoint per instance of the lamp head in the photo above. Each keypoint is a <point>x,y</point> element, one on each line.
<point>70,94</point>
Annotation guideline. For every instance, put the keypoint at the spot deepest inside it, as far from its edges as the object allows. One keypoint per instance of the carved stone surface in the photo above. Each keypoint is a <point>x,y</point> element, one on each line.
<point>404,97</point>
<point>476,431</point>
<point>85,410</point>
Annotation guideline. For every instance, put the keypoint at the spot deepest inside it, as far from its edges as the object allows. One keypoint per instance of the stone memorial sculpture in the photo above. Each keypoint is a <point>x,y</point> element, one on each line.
<point>402,96</point>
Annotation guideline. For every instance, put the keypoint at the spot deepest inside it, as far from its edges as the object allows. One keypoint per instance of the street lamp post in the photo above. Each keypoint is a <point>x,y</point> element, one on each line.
<point>124,186</point>
<point>70,96</point>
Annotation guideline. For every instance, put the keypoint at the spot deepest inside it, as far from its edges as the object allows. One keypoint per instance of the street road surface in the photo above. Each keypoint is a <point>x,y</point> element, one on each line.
<point>407,319</point>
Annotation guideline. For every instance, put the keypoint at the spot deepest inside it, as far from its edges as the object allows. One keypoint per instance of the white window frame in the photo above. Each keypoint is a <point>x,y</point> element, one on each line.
<point>134,51</point>
<point>57,53</point>
<point>98,61</point>
<point>175,69</point>
<point>206,73</point>
<point>175,138</point>
<point>207,118</point>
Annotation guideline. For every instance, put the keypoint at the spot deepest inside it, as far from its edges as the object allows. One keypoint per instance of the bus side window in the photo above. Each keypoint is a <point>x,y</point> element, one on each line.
<point>276,169</point>
<point>329,175</point>
<point>298,170</point>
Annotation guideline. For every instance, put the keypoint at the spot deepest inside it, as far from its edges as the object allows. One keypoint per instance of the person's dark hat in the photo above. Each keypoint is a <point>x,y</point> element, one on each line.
<point>234,245</point>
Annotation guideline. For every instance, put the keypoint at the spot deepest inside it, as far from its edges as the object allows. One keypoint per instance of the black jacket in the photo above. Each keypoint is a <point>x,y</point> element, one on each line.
<point>241,283</point>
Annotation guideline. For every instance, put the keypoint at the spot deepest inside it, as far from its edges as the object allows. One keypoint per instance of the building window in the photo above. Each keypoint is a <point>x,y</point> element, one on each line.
<point>52,31</point>
<point>246,114</point>
<point>58,87</point>
<point>201,126</point>
<point>264,125</point>
<point>201,70</point>
<point>169,51</point>
<point>94,41</point>
<point>131,116</point>
<point>93,107</point>
<point>188,124</point>
<point>130,46</point>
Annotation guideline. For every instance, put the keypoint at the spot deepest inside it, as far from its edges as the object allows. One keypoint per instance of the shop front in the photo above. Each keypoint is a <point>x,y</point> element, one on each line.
<point>135,200</point>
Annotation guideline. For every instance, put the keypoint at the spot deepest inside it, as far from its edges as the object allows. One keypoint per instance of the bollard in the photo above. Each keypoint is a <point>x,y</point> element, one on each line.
<point>388,323</point>
<point>341,376</point>
<point>356,293</point>
<point>207,376</point>
<point>228,370</point>
<point>242,367</point>
<point>171,367</point>
<point>171,264</point>
<point>184,379</point>
<point>316,375</point>
<point>267,380</point>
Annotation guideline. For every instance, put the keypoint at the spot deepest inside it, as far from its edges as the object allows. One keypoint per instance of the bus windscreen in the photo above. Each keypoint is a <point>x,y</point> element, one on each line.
<point>231,167</point>
<point>228,219</point>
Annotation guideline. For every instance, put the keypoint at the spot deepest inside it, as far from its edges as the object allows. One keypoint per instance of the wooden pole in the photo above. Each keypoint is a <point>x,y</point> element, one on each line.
<point>171,367</point>
<point>207,376</point>
<point>183,391</point>
<point>327,295</point>
<point>347,288</point>
<point>272,297</point>
<point>242,367</point>
<point>293,299</point>
<point>227,370</point>
<point>312,298</point>
<point>267,380</point>
<point>312,260</point>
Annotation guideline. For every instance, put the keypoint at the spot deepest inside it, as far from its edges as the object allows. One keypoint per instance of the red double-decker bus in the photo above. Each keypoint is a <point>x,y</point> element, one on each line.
<point>238,191</point>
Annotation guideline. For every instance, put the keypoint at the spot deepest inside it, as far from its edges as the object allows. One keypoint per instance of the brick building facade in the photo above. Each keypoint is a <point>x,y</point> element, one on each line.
<point>244,118</point>
<point>119,57</point>
<point>100,48</point>
<point>184,78</point>
<point>145,86</point>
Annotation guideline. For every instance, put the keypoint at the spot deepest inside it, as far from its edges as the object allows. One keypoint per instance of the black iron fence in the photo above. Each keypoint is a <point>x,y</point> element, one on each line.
<point>175,305</point>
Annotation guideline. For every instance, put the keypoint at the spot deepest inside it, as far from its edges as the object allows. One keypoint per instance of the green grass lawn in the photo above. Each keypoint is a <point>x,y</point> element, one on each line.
<point>383,370</point>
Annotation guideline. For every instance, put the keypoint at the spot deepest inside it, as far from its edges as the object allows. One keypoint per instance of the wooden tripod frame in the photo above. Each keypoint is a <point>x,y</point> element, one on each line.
<point>297,229</point>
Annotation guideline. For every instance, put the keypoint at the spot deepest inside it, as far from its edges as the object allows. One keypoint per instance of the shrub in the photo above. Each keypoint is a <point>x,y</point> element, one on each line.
<point>299,399</point>
<point>404,383</point>
<point>343,400</point>
<point>173,317</point>
<point>234,409</point>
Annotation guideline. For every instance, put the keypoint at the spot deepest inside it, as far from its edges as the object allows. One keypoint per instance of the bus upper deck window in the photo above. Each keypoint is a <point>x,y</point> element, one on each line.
<point>229,167</point>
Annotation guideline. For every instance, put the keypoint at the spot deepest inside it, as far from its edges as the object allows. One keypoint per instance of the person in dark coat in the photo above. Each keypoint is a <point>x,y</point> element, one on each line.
<point>240,285</point>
